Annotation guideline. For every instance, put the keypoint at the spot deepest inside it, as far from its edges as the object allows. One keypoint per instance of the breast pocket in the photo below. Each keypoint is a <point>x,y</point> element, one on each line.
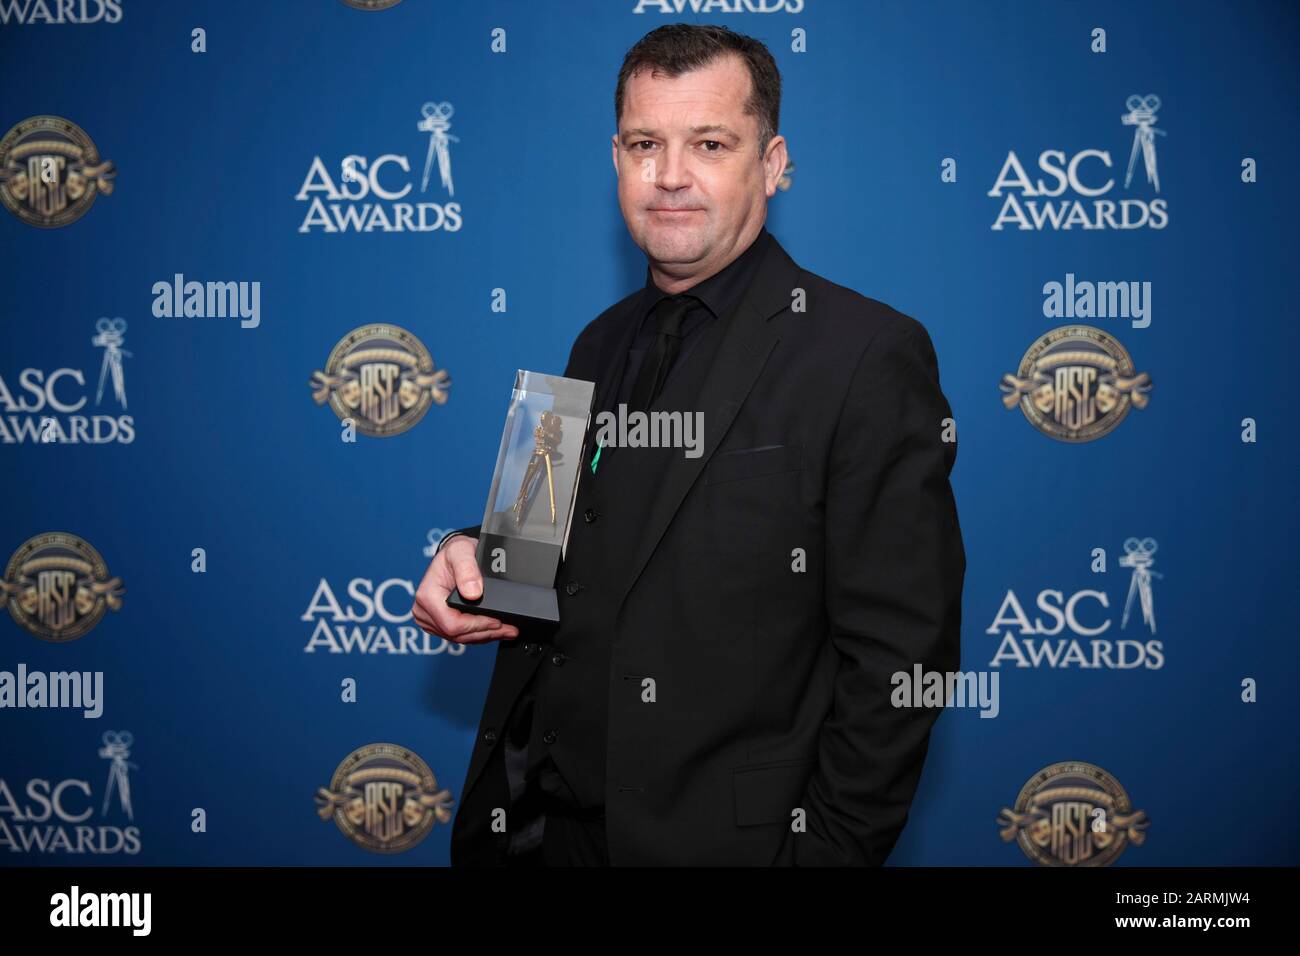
<point>751,494</point>
<point>740,463</point>
<point>739,532</point>
<point>749,507</point>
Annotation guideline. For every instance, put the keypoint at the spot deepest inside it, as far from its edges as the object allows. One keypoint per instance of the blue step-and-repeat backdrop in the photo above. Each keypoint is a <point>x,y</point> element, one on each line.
<point>269,269</point>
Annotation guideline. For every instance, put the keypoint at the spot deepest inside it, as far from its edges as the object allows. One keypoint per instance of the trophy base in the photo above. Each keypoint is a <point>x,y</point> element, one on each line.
<point>511,603</point>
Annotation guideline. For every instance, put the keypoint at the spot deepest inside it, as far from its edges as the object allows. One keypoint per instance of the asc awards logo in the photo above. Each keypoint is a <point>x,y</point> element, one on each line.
<point>1076,384</point>
<point>384,798</point>
<point>1039,642</point>
<point>678,7</point>
<point>47,816</point>
<point>1072,195</point>
<point>58,587</point>
<point>1073,814</point>
<point>372,4</point>
<point>47,413</point>
<point>380,378</point>
<point>372,619</point>
<point>60,11</point>
<point>50,172</point>
<point>373,195</point>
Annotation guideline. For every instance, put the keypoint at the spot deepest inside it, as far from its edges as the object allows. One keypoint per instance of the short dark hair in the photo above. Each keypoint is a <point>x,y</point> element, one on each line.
<point>677,48</point>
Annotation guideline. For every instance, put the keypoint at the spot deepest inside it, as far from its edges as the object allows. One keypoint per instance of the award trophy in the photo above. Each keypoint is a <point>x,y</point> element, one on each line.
<point>525,528</point>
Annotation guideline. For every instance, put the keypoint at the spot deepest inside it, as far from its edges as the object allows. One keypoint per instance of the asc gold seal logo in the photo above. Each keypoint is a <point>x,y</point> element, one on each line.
<point>384,798</point>
<point>382,378</point>
<point>57,586</point>
<point>1076,384</point>
<point>50,171</point>
<point>1073,814</point>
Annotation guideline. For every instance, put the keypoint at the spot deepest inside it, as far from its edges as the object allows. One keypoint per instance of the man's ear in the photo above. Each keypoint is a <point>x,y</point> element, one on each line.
<point>774,163</point>
<point>613,140</point>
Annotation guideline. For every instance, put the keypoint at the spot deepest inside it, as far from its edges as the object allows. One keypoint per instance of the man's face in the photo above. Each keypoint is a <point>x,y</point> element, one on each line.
<point>691,184</point>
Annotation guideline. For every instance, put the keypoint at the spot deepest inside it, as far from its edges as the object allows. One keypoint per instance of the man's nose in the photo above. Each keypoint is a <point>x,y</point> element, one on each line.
<point>673,172</point>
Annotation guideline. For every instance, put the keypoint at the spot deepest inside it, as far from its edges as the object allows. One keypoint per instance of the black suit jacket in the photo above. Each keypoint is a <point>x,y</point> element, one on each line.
<point>778,581</point>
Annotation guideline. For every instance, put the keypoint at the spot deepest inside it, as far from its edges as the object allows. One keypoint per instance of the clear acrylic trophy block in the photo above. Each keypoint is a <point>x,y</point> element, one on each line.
<point>530,505</point>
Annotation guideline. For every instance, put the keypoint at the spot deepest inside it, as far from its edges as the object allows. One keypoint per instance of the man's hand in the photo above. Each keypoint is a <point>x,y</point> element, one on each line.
<point>454,567</point>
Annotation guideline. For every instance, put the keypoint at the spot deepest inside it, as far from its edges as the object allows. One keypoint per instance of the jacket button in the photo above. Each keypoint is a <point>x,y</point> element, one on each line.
<point>572,588</point>
<point>589,515</point>
<point>490,736</point>
<point>532,648</point>
<point>549,736</point>
<point>558,659</point>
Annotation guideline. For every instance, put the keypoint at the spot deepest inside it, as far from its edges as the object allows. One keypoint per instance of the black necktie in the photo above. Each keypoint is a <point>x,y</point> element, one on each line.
<point>668,315</point>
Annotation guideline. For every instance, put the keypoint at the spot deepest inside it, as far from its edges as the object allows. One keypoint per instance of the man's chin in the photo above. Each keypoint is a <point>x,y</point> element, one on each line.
<point>671,246</point>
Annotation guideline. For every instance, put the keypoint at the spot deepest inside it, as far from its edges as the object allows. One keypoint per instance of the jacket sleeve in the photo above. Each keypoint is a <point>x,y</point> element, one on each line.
<point>894,569</point>
<point>472,531</point>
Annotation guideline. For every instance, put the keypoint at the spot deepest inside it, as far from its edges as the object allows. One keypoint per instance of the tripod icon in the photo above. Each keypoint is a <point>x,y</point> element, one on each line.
<point>437,122</point>
<point>1142,116</point>
<point>117,747</point>
<point>110,335</point>
<point>1140,556</point>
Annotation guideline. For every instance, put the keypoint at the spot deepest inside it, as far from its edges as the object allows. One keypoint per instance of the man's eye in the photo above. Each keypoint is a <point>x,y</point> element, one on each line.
<point>712,142</point>
<point>643,143</point>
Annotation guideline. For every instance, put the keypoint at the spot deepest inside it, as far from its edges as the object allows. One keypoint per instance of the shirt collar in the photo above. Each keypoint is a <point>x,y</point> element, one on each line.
<point>720,292</point>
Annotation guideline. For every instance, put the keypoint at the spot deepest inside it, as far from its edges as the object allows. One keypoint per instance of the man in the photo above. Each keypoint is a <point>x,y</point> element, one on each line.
<point>718,690</point>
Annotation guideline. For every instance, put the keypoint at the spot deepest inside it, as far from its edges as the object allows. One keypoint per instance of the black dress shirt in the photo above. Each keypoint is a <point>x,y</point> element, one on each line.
<point>718,295</point>
<point>575,833</point>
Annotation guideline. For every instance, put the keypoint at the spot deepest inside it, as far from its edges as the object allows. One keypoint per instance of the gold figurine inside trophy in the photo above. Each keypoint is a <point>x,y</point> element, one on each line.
<point>546,437</point>
<point>519,552</point>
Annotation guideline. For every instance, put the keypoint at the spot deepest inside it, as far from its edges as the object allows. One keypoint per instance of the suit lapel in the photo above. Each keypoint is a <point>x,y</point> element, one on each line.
<point>747,342</point>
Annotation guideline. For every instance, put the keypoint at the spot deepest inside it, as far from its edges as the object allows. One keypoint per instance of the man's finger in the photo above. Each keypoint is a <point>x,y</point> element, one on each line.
<point>458,624</point>
<point>504,633</point>
<point>465,572</point>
